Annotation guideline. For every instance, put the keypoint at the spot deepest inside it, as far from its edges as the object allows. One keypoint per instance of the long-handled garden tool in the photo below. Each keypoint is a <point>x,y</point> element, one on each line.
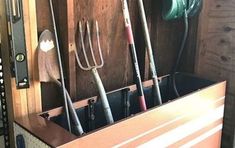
<point>60,63</point>
<point>49,71</point>
<point>93,68</point>
<point>156,90</point>
<point>130,39</point>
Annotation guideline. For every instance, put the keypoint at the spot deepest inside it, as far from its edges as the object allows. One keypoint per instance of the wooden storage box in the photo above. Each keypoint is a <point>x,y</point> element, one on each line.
<point>195,119</point>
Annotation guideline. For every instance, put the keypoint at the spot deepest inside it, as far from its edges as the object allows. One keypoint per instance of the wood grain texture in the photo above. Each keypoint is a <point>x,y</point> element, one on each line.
<point>31,38</point>
<point>24,101</point>
<point>216,54</point>
<point>117,70</point>
<point>115,51</point>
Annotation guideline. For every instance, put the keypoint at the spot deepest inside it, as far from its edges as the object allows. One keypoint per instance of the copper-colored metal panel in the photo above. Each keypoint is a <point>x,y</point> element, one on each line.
<point>188,108</point>
<point>194,117</point>
<point>213,141</point>
<point>200,135</point>
<point>48,132</point>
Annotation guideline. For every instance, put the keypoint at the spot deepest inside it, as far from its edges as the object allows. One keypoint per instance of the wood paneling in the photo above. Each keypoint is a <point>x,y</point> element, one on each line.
<point>25,101</point>
<point>166,37</point>
<point>216,53</point>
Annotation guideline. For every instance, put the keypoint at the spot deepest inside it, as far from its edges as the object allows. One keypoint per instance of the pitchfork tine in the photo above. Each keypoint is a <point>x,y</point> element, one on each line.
<point>89,66</point>
<point>103,97</point>
<point>76,53</point>
<point>98,42</point>
<point>90,43</point>
<point>83,47</point>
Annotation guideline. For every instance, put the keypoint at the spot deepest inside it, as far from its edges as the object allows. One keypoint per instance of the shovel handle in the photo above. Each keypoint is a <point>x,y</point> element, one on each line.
<point>157,92</point>
<point>103,97</point>
<point>142,103</point>
<point>74,115</point>
<point>72,110</point>
<point>156,89</point>
<point>131,42</point>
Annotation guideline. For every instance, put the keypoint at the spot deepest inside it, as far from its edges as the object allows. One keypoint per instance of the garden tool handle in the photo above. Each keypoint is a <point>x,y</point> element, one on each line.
<point>73,113</point>
<point>142,103</point>
<point>61,71</point>
<point>156,91</point>
<point>75,118</point>
<point>131,43</point>
<point>103,97</point>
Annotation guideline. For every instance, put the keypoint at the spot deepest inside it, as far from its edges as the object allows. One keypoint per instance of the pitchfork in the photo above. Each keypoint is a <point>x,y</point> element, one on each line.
<point>93,68</point>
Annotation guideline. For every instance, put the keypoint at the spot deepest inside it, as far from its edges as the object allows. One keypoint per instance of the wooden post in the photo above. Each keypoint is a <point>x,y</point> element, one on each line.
<point>31,37</point>
<point>25,101</point>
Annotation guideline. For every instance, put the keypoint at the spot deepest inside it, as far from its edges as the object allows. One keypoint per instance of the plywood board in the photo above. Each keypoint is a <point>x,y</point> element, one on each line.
<point>216,53</point>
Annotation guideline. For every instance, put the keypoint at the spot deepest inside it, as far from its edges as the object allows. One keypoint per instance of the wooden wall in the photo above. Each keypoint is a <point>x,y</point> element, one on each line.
<point>24,101</point>
<point>117,70</point>
<point>216,55</point>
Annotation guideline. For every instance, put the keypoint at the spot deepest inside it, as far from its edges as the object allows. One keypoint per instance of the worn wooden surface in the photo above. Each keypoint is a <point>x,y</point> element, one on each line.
<point>25,101</point>
<point>216,54</point>
<point>117,70</point>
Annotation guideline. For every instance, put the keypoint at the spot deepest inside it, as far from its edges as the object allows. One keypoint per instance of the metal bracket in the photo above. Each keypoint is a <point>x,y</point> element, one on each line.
<point>18,45</point>
<point>126,101</point>
<point>20,143</point>
<point>45,115</point>
<point>91,114</point>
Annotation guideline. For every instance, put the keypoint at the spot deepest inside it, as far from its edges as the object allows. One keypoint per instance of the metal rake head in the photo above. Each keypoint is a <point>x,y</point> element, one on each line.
<point>89,66</point>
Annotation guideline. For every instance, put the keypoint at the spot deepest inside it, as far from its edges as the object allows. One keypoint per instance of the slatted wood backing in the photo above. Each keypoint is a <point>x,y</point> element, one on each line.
<point>117,70</point>
<point>216,54</point>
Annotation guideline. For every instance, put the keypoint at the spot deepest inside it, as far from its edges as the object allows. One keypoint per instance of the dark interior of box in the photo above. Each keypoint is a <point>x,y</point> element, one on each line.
<point>124,103</point>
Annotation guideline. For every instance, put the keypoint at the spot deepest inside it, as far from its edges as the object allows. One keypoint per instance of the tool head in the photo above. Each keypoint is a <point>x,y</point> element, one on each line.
<point>89,65</point>
<point>47,57</point>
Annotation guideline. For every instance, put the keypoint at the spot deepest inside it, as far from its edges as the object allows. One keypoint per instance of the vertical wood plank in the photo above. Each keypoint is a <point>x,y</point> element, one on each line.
<point>25,101</point>
<point>117,71</point>
<point>216,55</point>
<point>34,92</point>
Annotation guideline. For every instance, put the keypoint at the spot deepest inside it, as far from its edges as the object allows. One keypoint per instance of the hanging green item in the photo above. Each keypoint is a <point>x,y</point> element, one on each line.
<point>196,7</point>
<point>170,9</point>
<point>173,9</point>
